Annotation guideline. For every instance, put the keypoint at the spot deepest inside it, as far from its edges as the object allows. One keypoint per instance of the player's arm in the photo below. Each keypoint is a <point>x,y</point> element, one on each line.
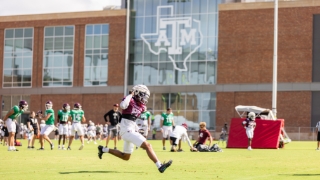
<point>107,118</point>
<point>83,119</point>
<point>58,118</point>
<point>47,117</point>
<point>125,103</point>
<point>8,114</point>
<point>210,140</point>
<point>244,124</point>
<point>188,140</point>
<point>173,124</point>
<point>28,125</point>
<point>149,122</point>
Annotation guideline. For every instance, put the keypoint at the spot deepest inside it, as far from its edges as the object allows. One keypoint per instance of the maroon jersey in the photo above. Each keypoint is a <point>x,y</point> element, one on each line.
<point>249,123</point>
<point>134,108</point>
<point>203,136</point>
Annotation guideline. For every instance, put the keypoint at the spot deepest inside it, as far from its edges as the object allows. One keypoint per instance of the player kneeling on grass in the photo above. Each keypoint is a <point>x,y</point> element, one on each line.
<point>77,116</point>
<point>133,105</point>
<point>204,134</point>
<point>177,134</point>
<point>249,124</point>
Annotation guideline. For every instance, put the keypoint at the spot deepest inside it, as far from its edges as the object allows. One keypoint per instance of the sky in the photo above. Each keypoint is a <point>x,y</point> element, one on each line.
<point>19,7</point>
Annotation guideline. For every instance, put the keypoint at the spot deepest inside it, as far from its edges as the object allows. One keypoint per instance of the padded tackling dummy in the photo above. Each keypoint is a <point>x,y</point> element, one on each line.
<point>266,134</point>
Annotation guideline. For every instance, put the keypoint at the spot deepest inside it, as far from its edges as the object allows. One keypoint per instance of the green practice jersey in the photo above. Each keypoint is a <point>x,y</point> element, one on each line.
<point>77,114</point>
<point>17,112</point>
<point>50,120</point>
<point>63,116</point>
<point>145,115</point>
<point>167,119</point>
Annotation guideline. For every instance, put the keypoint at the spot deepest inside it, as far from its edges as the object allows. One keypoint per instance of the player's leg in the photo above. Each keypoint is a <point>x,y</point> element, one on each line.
<point>127,146</point>
<point>48,130</point>
<point>71,136</point>
<point>108,137</point>
<point>173,141</point>
<point>115,132</point>
<point>80,132</point>
<point>164,136</point>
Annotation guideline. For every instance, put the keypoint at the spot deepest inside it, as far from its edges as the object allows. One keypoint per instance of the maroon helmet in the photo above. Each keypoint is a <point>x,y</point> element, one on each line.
<point>66,106</point>
<point>77,106</point>
<point>23,105</point>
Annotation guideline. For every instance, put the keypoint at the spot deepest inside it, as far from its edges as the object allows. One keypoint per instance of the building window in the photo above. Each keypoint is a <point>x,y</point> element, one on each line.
<point>17,58</point>
<point>173,42</point>
<point>58,56</point>
<point>96,55</point>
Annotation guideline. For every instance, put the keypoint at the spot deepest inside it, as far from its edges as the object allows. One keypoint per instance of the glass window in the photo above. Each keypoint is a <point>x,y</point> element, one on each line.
<point>182,49</point>
<point>96,55</point>
<point>58,56</point>
<point>17,59</point>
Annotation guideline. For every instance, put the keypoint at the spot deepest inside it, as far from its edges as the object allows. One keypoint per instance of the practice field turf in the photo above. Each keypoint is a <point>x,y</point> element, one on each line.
<point>298,160</point>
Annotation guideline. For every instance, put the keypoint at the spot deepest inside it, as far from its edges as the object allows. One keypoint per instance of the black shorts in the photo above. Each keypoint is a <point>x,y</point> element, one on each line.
<point>56,133</point>
<point>318,138</point>
<point>174,140</point>
<point>35,131</point>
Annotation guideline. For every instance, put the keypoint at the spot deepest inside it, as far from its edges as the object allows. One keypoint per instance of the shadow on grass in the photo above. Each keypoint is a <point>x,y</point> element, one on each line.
<point>299,174</point>
<point>76,172</point>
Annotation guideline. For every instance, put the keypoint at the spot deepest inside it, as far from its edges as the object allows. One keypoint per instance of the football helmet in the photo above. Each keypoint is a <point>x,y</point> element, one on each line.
<point>77,106</point>
<point>66,106</point>
<point>23,105</point>
<point>141,93</point>
<point>48,105</point>
<point>252,115</point>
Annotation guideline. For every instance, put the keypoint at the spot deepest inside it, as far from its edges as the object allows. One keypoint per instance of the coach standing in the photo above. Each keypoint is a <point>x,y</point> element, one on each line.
<point>113,118</point>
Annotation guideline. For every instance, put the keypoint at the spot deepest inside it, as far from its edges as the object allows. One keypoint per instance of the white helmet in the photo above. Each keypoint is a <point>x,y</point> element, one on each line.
<point>252,115</point>
<point>49,105</point>
<point>141,93</point>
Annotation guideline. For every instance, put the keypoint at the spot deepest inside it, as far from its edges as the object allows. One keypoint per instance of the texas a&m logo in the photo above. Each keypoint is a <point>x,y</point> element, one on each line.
<point>174,35</point>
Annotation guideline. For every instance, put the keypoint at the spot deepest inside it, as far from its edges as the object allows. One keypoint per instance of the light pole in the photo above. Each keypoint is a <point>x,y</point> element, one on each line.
<point>275,60</point>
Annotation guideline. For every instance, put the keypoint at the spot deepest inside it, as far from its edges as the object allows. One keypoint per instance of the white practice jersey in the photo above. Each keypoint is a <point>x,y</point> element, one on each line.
<point>180,132</point>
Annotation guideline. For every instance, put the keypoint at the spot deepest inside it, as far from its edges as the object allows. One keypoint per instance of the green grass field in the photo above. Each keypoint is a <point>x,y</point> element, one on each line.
<point>298,160</point>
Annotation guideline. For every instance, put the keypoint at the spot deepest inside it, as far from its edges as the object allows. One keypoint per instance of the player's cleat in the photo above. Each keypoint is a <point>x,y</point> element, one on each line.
<point>249,148</point>
<point>68,148</point>
<point>115,148</point>
<point>164,166</point>
<point>317,149</point>
<point>32,147</point>
<point>81,147</point>
<point>180,150</point>
<point>52,146</point>
<point>63,148</point>
<point>29,147</point>
<point>164,148</point>
<point>100,152</point>
<point>41,149</point>
<point>15,150</point>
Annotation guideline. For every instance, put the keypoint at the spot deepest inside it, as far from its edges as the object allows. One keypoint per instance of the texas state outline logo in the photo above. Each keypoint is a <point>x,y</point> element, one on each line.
<point>183,33</point>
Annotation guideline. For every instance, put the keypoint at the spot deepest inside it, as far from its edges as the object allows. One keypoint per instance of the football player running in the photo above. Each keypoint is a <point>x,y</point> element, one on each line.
<point>13,114</point>
<point>49,127</point>
<point>63,116</point>
<point>133,105</point>
<point>77,116</point>
<point>249,124</point>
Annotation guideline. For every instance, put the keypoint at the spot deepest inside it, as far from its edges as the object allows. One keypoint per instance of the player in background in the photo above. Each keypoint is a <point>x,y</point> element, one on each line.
<point>204,134</point>
<point>13,114</point>
<point>249,124</point>
<point>318,135</point>
<point>144,123</point>
<point>132,106</point>
<point>77,116</point>
<point>63,116</point>
<point>179,133</point>
<point>1,132</point>
<point>49,127</point>
<point>33,129</point>
<point>166,124</point>
<point>91,133</point>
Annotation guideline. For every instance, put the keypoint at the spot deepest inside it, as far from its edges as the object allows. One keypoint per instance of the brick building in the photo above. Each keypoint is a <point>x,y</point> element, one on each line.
<point>201,58</point>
